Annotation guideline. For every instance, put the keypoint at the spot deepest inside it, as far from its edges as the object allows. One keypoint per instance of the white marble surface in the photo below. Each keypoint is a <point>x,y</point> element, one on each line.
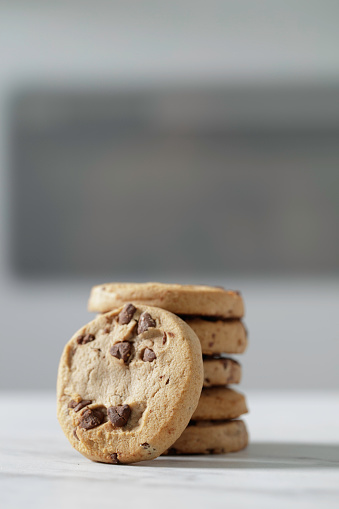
<point>293,461</point>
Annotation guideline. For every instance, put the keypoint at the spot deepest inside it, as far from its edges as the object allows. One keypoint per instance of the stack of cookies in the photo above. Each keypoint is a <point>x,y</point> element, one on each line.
<point>214,314</point>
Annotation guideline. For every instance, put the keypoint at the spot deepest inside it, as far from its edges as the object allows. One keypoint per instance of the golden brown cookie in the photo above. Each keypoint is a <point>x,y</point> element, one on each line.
<point>220,403</point>
<point>211,437</point>
<point>179,299</point>
<point>128,384</point>
<point>219,336</point>
<point>221,372</point>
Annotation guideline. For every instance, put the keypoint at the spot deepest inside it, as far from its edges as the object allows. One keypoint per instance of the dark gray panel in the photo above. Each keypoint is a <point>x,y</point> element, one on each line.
<point>117,180</point>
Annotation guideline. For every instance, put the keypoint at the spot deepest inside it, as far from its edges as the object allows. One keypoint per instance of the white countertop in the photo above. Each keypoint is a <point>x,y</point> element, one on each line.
<point>293,460</point>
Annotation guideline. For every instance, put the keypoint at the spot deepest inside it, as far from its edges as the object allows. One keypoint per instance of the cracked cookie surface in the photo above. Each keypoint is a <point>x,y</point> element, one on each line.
<point>128,384</point>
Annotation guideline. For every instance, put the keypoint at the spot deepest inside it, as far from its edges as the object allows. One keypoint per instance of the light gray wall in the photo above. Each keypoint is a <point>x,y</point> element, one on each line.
<point>93,192</point>
<point>237,41</point>
<point>268,45</point>
<point>293,330</point>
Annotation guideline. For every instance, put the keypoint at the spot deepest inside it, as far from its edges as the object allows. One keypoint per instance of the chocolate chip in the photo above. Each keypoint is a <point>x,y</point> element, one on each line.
<point>121,350</point>
<point>119,415</point>
<point>75,434</point>
<point>85,338</point>
<point>171,334</point>
<point>114,458</point>
<point>145,445</point>
<point>91,418</point>
<point>225,363</point>
<point>148,355</point>
<point>107,329</point>
<point>211,343</point>
<point>145,322</point>
<point>164,338</point>
<point>72,404</point>
<point>126,314</point>
<point>82,404</point>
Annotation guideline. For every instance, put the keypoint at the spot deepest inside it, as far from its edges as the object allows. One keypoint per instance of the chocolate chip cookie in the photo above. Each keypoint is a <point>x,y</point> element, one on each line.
<point>221,372</point>
<point>179,299</point>
<point>211,437</point>
<point>219,336</point>
<point>128,384</point>
<point>220,403</point>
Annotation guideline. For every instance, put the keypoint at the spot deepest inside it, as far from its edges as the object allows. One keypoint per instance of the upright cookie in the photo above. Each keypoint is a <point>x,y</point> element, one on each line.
<point>128,384</point>
<point>220,403</point>
<point>211,437</point>
<point>179,299</point>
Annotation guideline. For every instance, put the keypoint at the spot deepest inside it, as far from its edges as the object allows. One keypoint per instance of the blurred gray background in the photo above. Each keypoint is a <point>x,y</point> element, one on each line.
<point>192,142</point>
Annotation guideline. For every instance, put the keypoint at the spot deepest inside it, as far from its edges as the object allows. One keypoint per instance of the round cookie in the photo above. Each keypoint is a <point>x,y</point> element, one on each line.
<point>128,384</point>
<point>179,299</point>
<point>220,403</point>
<point>211,437</point>
<point>221,372</point>
<point>219,336</point>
